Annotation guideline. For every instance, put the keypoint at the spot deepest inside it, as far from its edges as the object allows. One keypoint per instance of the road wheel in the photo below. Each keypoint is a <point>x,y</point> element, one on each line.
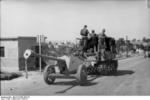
<point>99,69</point>
<point>49,69</point>
<point>104,69</point>
<point>89,70</point>
<point>115,66</point>
<point>112,68</point>
<point>82,74</point>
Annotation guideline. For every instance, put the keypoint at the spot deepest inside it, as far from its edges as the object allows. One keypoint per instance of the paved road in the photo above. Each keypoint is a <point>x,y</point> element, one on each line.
<point>133,78</point>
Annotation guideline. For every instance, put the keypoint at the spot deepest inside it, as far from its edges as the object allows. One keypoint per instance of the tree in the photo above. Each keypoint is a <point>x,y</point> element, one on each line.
<point>134,40</point>
<point>144,39</point>
<point>120,43</point>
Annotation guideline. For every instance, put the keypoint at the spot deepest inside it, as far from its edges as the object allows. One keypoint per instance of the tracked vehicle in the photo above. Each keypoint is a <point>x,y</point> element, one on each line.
<point>101,59</point>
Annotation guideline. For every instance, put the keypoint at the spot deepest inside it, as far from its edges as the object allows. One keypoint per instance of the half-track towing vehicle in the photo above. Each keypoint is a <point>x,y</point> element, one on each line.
<point>101,60</point>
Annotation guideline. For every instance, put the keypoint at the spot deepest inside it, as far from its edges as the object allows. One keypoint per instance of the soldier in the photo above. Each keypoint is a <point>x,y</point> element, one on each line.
<point>94,40</point>
<point>84,33</point>
<point>102,38</point>
<point>103,32</point>
<point>102,44</point>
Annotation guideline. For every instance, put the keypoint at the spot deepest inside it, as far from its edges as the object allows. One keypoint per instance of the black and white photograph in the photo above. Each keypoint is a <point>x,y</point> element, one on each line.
<point>74,48</point>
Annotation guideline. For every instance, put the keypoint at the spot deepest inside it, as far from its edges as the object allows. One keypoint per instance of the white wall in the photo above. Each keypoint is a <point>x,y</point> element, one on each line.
<point>10,61</point>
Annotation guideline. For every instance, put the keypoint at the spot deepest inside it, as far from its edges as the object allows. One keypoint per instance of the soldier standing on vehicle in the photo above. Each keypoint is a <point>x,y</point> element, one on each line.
<point>94,40</point>
<point>84,33</point>
<point>102,44</point>
<point>102,37</point>
<point>103,32</point>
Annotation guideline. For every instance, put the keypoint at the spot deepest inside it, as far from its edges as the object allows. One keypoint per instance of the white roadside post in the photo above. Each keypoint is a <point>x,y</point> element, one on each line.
<point>127,46</point>
<point>40,64</point>
<point>26,56</point>
<point>26,68</point>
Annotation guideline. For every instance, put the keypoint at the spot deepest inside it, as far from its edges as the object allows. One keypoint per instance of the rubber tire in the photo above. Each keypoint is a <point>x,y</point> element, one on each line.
<point>49,69</point>
<point>82,74</point>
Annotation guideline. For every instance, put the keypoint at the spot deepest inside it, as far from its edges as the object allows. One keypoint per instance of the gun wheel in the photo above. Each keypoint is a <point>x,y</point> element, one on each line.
<point>49,69</point>
<point>82,74</point>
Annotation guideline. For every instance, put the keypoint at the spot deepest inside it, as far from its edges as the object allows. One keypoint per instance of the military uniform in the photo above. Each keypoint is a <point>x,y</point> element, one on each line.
<point>84,33</point>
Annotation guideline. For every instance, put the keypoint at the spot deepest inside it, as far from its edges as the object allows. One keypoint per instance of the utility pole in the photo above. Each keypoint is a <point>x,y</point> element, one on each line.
<point>39,51</point>
<point>40,39</point>
<point>40,64</point>
<point>126,46</point>
<point>148,3</point>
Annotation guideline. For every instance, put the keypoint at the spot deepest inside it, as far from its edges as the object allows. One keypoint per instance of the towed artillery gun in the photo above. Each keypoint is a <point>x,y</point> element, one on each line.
<point>64,67</point>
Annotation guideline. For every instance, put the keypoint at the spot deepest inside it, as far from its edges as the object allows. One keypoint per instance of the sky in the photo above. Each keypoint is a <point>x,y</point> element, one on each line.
<point>62,20</point>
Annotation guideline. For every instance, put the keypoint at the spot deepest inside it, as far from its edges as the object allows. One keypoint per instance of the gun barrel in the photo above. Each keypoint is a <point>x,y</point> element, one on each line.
<point>29,52</point>
<point>48,57</point>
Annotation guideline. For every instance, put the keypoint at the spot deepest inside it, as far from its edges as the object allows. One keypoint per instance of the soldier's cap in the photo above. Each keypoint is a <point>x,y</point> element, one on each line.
<point>103,30</point>
<point>93,31</point>
<point>85,25</point>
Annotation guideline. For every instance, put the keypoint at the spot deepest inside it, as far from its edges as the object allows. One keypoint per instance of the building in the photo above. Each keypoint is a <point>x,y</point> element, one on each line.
<point>12,50</point>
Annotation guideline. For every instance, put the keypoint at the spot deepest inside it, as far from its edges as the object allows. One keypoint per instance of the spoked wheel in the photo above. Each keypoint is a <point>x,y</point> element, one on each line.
<point>82,74</point>
<point>49,69</point>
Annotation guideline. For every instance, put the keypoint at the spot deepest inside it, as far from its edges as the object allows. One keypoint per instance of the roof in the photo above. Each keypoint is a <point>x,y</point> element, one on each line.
<point>146,43</point>
<point>137,42</point>
<point>141,43</point>
<point>8,39</point>
<point>15,38</point>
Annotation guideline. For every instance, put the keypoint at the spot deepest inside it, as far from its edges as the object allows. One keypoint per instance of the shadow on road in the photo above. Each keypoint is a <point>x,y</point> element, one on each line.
<point>76,83</point>
<point>90,82</point>
<point>123,72</point>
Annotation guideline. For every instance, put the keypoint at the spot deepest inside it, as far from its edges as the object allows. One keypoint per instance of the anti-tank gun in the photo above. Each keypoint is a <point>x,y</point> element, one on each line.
<point>65,67</point>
